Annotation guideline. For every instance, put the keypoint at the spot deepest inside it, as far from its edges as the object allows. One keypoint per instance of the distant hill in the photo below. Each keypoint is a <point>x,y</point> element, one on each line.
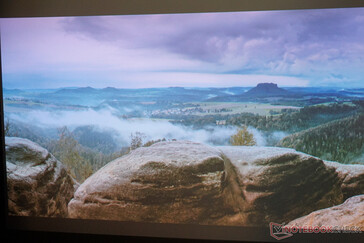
<point>30,131</point>
<point>110,89</point>
<point>266,90</point>
<point>341,140</point>
<point>93,96</point>
<point>101,141</point>
<point>262,90</point>
<point>77,90</point>
<point>262,93</point>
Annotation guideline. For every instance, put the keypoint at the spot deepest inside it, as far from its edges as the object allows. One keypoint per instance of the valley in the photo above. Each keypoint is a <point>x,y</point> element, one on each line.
<point>102,124</point>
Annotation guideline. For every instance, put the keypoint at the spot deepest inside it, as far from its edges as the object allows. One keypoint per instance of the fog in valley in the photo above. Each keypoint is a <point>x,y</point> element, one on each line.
<point>107,122</point>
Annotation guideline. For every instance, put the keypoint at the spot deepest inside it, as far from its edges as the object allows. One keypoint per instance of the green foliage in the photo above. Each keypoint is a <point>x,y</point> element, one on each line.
<point>95,153</point>
<point>136,140</point>
<point>341,140</point>
<point>96,139</point>
<point>288,120</point>
<point>243,138</point>
<point>67,150</point>
<point>13,128</point>
<point>151,142</point>
<point>291,122</point>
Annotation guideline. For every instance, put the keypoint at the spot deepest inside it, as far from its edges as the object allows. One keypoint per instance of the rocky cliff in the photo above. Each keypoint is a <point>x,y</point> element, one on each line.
<point>38,184</point>
<point>266,90</point>
<point>179,182</point>
<point>279,184</point>
<point>186,182</point>
<point>351,176</point>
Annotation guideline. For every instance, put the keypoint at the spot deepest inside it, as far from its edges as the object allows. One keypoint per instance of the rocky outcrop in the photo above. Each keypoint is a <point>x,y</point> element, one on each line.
<point>38,184</point>
<point>187,182</point>
<point>279,184</point>
<point>352,177</point>
<point>175,182</point>
<point>349,214</point>
<point>266,90</point>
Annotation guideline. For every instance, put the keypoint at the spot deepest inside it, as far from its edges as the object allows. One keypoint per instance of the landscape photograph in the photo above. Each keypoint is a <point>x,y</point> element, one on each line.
<point>234,118</point>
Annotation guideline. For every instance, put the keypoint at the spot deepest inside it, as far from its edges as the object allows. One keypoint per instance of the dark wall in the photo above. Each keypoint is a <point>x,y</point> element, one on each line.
<point>33,8</point>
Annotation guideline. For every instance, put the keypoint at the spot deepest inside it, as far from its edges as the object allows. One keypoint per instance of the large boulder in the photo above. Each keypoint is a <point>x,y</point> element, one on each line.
<point>352,177</point>
<point>349,214</point>
<point>187,182</point>
<point>168,182</point>
<point>280,184</point>
<point>38,184</point>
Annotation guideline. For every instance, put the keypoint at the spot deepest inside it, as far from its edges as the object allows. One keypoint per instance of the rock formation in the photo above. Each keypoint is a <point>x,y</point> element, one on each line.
<point>38,184</point>
<point>278,184</point>
<point>352,177</point>
<point>175,182</point>
<point>349,214</point>
<point>187,182</point>
<point>266,90</point>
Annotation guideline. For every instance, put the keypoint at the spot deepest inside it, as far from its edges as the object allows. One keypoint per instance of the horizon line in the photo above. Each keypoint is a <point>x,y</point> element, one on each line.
<point>188,87</point>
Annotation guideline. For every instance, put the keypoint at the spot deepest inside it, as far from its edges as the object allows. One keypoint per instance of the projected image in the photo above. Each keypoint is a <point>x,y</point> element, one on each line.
<point>240,119</point>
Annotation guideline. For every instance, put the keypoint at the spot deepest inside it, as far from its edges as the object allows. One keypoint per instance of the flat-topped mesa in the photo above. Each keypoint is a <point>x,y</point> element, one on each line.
<point>266,90</point>
<point>188,182</point>
<point>267,85</point>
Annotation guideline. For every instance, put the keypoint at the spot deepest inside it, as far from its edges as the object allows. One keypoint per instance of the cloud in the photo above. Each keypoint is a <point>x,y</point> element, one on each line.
<point>186,79</point>
<point>306,44</point>
<point>209,36</point>
<point>106,120</point>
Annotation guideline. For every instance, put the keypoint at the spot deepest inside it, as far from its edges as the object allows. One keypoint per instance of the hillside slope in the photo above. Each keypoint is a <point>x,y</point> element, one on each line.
<point>341,140</point>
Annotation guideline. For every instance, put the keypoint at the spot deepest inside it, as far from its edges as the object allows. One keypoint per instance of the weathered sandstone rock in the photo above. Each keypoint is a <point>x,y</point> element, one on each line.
<point>349,214</point>
<point>352,176</point>
<point>187,182</point>
<point>38,184</point>
<point>279,184</point>
<point>174,182</point>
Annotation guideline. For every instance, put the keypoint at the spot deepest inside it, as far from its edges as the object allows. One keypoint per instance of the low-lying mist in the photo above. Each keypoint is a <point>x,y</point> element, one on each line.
<point>107,121</point>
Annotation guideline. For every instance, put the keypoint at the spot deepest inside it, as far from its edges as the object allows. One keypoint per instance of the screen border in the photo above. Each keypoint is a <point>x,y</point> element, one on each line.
<point>54,8</point>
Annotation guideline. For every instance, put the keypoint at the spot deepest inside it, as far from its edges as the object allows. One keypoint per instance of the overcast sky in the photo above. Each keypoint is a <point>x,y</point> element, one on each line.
<point>290,48</point>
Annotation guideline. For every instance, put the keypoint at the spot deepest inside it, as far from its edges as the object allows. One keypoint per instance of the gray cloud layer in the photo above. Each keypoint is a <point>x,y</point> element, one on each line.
<point>209,36</point>
<point>324,47</point>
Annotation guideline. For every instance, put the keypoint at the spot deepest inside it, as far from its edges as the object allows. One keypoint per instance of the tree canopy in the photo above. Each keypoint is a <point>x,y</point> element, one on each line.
<point>243,138</point>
